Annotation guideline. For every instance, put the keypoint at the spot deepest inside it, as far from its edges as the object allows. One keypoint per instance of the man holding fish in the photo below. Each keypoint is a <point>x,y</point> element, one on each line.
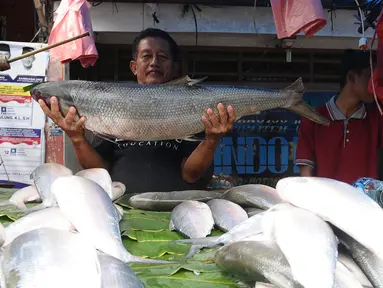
<point>346,149</point>
<point>150,165</point>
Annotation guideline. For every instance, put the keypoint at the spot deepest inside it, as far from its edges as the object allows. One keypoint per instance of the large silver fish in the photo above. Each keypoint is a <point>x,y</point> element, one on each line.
<point>368,262</point>
<point>192,218</point>
<point>253,195</point>
<point>253,260</point>
<point>91,211</point>
<point>325,197</point>
<point>51,217</point>
<point>250,260</point>
<point>48,258</point>
<point>43,177</point>
<point>116,274</point>
<point>168,111</point>
<point>167,201</point>
<point>226,214</point>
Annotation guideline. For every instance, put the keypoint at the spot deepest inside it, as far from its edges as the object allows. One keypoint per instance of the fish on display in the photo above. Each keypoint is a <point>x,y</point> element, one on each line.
<point>102,177</point>
<point>308,243</point>
<point>368,262</point>
<point>349,263</point>
<point>47,258</point>
<point>253,260</point>
<point>99,175</point>
<point>253,195</point>
<point>116,274</point>
<point>51,217</point>
<point>250,227</point>
<point>22,196</point>
<point>43,177</point>
<point>193,219</point>
<point>344,277</point>
<point>172,110</point>
<point>253,211</point>
<point>250,260</point>
<point>91,211</point>
<point>325,197</point>
<point>118,190</point>
<point>226,214</point>
<point>167,201</point>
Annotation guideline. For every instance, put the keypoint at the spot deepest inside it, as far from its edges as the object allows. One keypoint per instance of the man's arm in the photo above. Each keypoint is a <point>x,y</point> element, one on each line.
<point>87,155</point>
<point>305,155</point>
<point>194,166</point>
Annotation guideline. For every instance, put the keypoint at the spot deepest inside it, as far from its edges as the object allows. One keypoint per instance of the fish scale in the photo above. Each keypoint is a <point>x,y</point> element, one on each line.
<point>162,112</point>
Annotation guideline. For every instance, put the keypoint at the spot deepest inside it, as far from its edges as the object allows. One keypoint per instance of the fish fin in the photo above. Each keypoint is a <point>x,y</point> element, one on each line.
<point>305,110</point>
<point>297,86</point>
<point>171,225</point>
<point>207,242</point>
<point>195,137</point>
<point>194,249</point>
<point>253,200</point>
<point>300,107</point>
<point>104,137</point>
<point>186,80</point>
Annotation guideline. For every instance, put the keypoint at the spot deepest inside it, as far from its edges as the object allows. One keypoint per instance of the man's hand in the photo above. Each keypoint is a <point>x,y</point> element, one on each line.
<point>215,126</point>
<point>73,129</point>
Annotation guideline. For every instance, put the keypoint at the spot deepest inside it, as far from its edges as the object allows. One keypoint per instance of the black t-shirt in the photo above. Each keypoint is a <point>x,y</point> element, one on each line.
<point>146,166</point>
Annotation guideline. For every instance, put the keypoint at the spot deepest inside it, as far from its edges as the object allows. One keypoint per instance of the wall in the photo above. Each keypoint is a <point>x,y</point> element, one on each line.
<point>20,19</point>
<point>225,26</point>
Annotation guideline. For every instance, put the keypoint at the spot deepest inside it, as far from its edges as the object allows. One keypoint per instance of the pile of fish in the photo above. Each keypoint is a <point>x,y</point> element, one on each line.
<point>72,238</point>
<point>307,232</point>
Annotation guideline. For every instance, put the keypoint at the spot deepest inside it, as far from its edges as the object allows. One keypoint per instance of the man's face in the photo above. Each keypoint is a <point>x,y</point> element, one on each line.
<point>5,53</point>
<point>360,86</point>
<point>154,63</point>
<point>27,62</point>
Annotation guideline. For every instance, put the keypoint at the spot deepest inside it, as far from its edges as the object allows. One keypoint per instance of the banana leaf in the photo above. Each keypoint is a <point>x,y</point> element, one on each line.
<point>188,279</point>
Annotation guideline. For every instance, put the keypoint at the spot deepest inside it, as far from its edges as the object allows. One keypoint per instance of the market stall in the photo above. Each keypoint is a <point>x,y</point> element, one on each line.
<point>66,227</point>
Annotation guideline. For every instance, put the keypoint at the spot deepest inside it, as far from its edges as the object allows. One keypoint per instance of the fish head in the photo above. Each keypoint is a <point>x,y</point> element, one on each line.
<point>60,89</point>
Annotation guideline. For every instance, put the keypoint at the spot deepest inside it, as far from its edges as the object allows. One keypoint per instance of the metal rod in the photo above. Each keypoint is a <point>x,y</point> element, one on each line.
<point>47,48</point>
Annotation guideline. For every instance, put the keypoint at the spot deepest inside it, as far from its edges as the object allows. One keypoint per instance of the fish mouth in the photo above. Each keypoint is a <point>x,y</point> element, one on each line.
<point>36,95</point>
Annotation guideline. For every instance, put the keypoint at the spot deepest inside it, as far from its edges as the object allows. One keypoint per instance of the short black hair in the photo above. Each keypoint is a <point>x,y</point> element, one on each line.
<point>5,47</point>
<point>155,33</point>
<point>27,49</point>
<point>353,60</point>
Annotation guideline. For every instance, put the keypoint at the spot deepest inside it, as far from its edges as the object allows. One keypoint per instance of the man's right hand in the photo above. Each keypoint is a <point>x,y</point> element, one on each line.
<point>73,129</point>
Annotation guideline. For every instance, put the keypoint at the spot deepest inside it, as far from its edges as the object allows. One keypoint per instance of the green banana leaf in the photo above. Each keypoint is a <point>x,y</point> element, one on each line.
<point>146,234</point>
<point>10,212</point>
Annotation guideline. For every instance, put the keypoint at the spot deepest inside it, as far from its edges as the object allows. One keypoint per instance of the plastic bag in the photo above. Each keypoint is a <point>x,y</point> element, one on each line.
<point>292,17</point>
<point>73,19</point>
<point>372,187</point>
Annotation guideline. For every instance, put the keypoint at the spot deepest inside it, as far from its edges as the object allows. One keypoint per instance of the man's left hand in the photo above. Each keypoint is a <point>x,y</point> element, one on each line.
<point>216,127</point>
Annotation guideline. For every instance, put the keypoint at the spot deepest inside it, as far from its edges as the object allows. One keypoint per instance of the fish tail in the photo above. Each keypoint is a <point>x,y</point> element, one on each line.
<point>137,259</point>
<point>194,249</point>
<point>300,107</point>
<point>207,242</point>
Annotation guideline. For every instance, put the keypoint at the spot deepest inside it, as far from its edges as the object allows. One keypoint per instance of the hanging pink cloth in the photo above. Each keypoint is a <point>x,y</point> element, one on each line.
<point>73,19</point>
<point>294,16</point>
